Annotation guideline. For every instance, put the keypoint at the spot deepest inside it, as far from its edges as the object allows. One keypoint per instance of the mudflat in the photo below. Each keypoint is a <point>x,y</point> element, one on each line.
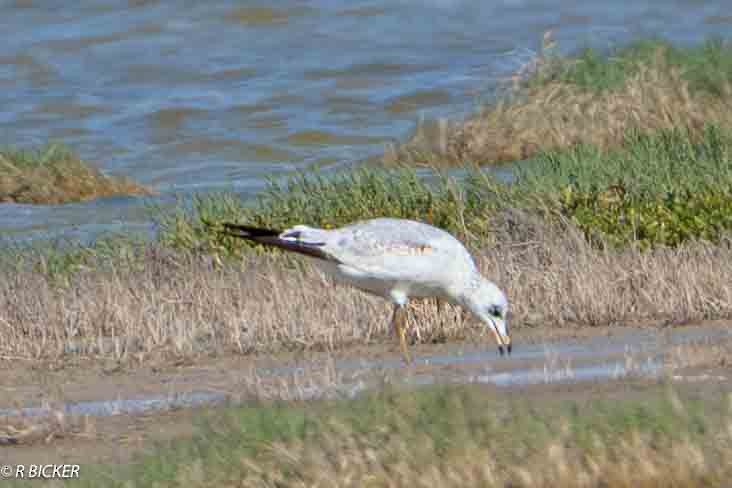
<point>102,412</point>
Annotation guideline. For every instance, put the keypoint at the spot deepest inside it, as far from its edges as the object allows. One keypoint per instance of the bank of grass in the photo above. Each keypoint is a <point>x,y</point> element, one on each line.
<point>53,174</point>
<point>164,304</point>
<point>593,98</point>
<point>451,436</point>
<point>659,189</point>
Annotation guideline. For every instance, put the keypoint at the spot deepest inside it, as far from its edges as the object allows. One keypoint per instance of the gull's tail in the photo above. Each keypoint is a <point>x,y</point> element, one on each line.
<point>288,240</point>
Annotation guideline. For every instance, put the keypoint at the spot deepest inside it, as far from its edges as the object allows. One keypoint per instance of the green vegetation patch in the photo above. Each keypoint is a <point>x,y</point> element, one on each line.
<point>53,175</point>
<point>659,189</point>
<point>330,202</point>
<point>645,165</point>
<point>670,219</point>
<point>450,435</point>
<point>707,67</point>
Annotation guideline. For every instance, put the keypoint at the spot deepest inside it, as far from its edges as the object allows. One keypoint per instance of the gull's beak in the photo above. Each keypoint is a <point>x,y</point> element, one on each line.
<point>498,326</point>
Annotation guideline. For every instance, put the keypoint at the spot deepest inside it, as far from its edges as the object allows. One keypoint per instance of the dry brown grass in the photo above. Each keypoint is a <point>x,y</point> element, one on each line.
<point>558,114</point>
<point>579,451</point>
<point>704,355</point>
<point>174,304</point>
<point>31,430</point>
<point>344,461</point>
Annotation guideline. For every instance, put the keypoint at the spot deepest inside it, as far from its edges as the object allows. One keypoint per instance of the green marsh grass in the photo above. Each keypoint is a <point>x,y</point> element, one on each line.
<point>658,189</point>
<point>645,165</point>
<point>334,201</point>
<point>449,436</point>
<point>707,67</point>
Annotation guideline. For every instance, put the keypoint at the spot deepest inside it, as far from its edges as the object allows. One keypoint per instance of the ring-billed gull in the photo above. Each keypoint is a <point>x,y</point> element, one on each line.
<point>396,259</point>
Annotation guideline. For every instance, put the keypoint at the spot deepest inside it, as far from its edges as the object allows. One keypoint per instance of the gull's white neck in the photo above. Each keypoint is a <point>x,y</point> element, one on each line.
<point>479,293</point>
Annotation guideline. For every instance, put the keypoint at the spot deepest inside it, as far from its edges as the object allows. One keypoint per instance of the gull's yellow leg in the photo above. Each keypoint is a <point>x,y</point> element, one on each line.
<point>440,305</point>
<point>442,318</point>
<point>399,322</point>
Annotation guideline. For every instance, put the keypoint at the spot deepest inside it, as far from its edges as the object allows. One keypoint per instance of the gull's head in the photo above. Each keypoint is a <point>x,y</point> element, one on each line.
<point>490,305</point>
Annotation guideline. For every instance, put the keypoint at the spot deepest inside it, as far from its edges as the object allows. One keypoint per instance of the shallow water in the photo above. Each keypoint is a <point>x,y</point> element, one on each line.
<point>197,96</point>
<point>513,378</point>
<point>635,353</point>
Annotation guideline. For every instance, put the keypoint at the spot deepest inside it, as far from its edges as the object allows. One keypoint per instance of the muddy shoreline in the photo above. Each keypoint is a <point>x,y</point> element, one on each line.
<point>94,412</point>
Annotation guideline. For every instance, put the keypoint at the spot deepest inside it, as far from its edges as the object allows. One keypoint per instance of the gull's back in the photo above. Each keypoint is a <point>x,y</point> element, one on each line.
<point>384,254</point>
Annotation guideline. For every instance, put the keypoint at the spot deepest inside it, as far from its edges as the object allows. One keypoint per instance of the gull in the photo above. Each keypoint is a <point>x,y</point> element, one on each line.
<point>396,259</point>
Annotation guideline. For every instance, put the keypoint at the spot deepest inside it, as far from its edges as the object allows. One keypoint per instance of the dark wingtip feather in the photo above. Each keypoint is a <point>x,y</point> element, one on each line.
<point>270,237</point>
<point>248,231</point>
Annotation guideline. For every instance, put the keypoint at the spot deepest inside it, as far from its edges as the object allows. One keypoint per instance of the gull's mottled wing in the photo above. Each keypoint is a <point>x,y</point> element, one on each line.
<point>394,249</point>
<point>383,250</point>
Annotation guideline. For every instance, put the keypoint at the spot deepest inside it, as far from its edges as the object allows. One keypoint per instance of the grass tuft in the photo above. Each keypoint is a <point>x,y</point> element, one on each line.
<point>54,175</point>
<point>589,99</point>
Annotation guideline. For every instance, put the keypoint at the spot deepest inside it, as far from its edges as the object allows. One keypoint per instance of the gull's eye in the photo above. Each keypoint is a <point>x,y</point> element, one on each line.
<point>495,311</point>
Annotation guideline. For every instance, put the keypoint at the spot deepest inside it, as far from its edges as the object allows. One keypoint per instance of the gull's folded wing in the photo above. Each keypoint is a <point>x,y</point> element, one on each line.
<point>284,240</point>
